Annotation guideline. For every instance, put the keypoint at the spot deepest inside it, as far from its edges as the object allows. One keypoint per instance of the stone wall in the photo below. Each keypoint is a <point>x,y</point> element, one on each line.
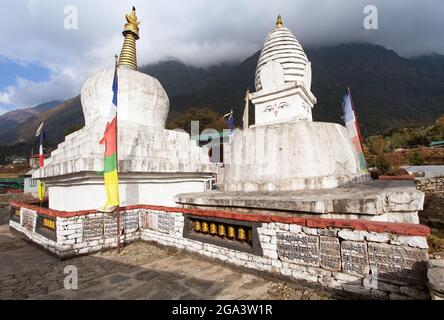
<point>374,259</point>
<point>78,235</point>
<point>435,275</point>
<point>430,186</point>
<point>380,265</point>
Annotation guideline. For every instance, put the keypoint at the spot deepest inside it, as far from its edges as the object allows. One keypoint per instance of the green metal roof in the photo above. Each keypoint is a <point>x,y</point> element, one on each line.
<point>436,143</point>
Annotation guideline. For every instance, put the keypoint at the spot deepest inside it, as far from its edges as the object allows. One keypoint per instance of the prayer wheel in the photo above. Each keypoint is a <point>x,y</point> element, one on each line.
<point>213,229</point>
<point>241,235</point>
<point>231,232</point>
<point>250,235</point>
<point>196,226</point>
<point>221,230</point>
<point>205,227</point>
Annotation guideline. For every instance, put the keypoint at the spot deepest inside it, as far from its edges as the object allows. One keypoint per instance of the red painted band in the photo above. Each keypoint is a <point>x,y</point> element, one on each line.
<point>320,223</point>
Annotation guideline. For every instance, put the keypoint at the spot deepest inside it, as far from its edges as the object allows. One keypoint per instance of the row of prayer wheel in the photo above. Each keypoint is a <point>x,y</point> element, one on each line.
<point>224,231</point>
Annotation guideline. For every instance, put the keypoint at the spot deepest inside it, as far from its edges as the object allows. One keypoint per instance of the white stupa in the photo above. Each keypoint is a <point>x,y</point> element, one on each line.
<point>285,150</point>
<point>283,80</point>
<point>154,163</point>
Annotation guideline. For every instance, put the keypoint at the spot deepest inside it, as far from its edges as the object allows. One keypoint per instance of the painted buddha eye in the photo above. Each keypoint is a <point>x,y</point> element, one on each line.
<point>269,108</point>
<point>283,105</point>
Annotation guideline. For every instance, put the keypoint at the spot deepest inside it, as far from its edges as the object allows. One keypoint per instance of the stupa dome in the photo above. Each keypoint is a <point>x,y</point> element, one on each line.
<point>282,47</point>
<point>141,98</point>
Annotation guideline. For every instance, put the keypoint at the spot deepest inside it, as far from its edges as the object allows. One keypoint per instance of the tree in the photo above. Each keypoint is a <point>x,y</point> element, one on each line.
<point>382,163</point>
<point>436,133</point>
<point>416,159</point>
<point>207,119</point>
<point>376,144</point>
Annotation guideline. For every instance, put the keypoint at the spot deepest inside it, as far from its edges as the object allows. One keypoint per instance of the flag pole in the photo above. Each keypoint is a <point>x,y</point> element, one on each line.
<point>117,163</point>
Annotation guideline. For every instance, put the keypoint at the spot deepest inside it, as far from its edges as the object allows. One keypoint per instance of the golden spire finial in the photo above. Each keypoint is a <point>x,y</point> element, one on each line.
<point>133,24</point>
<point>279,22</point>
<point>128,56</point>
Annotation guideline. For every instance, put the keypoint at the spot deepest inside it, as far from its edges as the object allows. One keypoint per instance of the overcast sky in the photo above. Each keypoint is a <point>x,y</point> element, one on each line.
<point>40,60</point>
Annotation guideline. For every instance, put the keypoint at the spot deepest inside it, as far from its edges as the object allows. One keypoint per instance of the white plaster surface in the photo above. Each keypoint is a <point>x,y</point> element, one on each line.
<point>283,81</point>
<point>141,98</point>
<point>80,193</point>
<point>290,156</point>
<point>145,148</point>
<point>281,46</point>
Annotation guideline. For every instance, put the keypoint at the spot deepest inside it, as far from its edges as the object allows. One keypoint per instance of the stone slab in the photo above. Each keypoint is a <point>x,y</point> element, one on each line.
<point>398,264</point>
<point>371,198</point>
<point>330,253</point>
<point>165,223</point>
<point>436,279</point>
<point>148,220</point>
<point>110,226</point>
<point>300,249</point>
<point>92,229</point>
<point>27,220</point>
<point>354,257</point>
<point>131,222</point>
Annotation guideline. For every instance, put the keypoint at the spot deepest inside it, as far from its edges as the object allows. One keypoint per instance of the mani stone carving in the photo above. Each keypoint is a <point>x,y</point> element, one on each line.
<point>131,222</point>
<point>110,226</point>
<point>398,264</point>
<point>330,253</point>
<point>300,249</point>
<point>28,221</point>
<point>92,229</point>
<point>165,223</point>
<point>354,258</point>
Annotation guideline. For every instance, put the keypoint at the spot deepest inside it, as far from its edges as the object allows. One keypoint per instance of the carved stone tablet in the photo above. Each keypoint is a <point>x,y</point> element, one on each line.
<point>165,223</point>
<point>110,226</point>
<point>92,229</point>
<point>131,222</point>
<point>330,253</point>
<point>398,264</point>
<point>354,257</point>
<point>300,249</point>
<point>28,220</point>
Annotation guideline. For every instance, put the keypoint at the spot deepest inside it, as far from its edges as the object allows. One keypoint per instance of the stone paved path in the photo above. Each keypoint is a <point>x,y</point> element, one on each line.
<point>141,271</point>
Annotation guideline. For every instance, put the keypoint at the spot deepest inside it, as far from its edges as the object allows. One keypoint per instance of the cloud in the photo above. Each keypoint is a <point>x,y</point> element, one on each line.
<point>198,32</point>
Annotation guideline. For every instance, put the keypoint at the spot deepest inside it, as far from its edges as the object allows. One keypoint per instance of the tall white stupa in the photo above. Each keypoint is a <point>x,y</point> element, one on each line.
<point>285,150</point>
<point>283,80</point>
<point>154,163</point>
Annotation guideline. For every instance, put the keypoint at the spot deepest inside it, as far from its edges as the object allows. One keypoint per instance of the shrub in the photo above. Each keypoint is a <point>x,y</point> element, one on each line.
<point>382,163</point>
<point>416,159</point>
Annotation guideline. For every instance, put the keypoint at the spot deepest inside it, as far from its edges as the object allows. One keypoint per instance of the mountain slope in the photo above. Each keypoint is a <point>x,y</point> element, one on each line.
<point>57,120</point>
<point>388,90</point>
<point>178,78</point>
<point>221,94</point>
<point>10,120</point>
